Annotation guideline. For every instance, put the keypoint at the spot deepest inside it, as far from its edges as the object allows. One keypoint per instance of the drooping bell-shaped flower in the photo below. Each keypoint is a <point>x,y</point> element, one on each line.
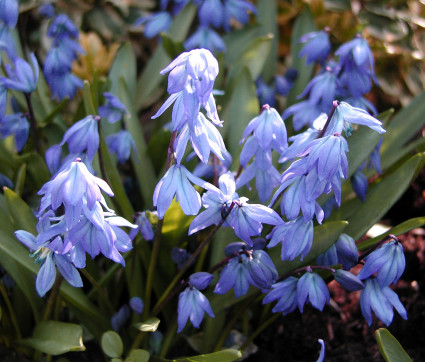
<point>311,288</point>
<point>317,46</point>
<point>285,293</point>
<point>348,280</point>
<point>22,76</point>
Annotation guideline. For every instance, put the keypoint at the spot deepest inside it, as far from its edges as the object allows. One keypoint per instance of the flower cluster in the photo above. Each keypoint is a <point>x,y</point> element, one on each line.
<point>87,225</point>
<point>58,64</point>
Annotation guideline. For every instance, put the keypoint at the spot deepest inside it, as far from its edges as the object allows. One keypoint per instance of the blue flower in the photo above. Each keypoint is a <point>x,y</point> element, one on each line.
<point>210,12</point>
<point>200,280</point>
<point>238,10</point>
<point>179,256</point>
<point>348,280</point>
<point>285,83</point>
<point>285,292</point>
<point>205,38</point>
<point>234,275</point>
<point>22,77</point>
<point>53,158</point>
<point>381,300</point>
<point>136,304</point>
<point>9,11</point>
<point>62,26</point>
<point>317,46</point>
<point>357,50</point>
<point>302,113</point>
<point>5,182</point>
<point>345,115</point>
<point>83,136</point>
<point>47,10</point>
<point>388,262</point>
<point>322,350</point>
<point>265,93</point>
<point>119,319</point>
<point>269,130</point>
<point>7,42</point>
<point>50,258</point>
<point>113,109</point>
<point>360,184</point>
<point>192,305</point>
<point>121,144</point>
<point>197,66</point>
<point>176,182</point>
<point>63,85</point>
<point>17,125</point>
<point>143,225</point>
<point>344,252</point>
<point>312,289</point>
<point>296,237</point>
<point>73,187</point>
<point>261,269</point>
<point>155,23</point>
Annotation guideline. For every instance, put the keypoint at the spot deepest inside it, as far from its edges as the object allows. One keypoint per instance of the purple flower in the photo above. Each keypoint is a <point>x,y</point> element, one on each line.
<point>121,144</point>
<point>205,38</point>
<point>176,182</point>
<point>47,10</point>
<point>348,280</point>
<point>388,262</point>
<point>285,83</point>
<point>197,66</point>
<point>53,158</point>
<point>7,42</point>
<point>268,129</point>
<point>155,23</point>
<point>360,184</point>
<point>200,280</point>
<point>62,26</point>
<point>63,85</point>
<point>192,305</point>
<point>261,269</point>
<point>296,237</point>
<point>22,77</point>
<point>17,125</point>
<point>312,289</point>
<point>302,113</point>
<point>210,12</point>
<point>265,93</point>
<point>317,46</point>
<point>83,136</point>
<point>381,300</point>
<point>137,305</point>
<point>357,50</point>
<point>345,115</point>
<point>73,187</point>
<point>234,275</point>
<point>9,11</point>
<point>143,225</point>
<point>50,259</point>
<point>179,256</point>
<point>285,292</point>
<point>119,319</point>
<point>238,10</point>
<point>113,109</point>
<point>344,252</point>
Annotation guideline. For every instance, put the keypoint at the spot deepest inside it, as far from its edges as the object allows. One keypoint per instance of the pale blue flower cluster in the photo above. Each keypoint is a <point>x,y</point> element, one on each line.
<point>58,64</point>
<point>87,225</point>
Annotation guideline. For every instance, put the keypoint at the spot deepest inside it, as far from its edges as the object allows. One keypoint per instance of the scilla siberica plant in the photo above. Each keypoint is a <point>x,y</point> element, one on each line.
<point>205,247</point>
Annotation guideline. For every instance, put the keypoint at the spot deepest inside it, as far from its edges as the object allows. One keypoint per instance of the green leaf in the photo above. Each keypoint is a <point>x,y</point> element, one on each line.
<point>380,197</point>
<point>112,344</point>
<point>88,99</point>
<point>173,48</point>
<point>304,24</point>
<point>239,110</point>
<point>150,325</point>
<point>124,69</point>
<point>238,41</point>
<point>56,338</point>
<point>391,350</point>
<point>21,214</point>
<point>402,228</point>
<point>149,81</point>
<point>226,355</point>
<point>20,179</point>
<point>253,57</point>
<point>138,355</point>
<point>267,16</point>
<point>142,163</point>
<point>405,124</point>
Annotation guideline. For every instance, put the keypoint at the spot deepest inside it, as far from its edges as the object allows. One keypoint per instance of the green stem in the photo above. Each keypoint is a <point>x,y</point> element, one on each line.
<point>12,314</point>
<point>168,338</point>
<point>151,270</point>
<point>99,289</point>
<point>52,298</point>
<point>169,292</point>
<point>33,123</point>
